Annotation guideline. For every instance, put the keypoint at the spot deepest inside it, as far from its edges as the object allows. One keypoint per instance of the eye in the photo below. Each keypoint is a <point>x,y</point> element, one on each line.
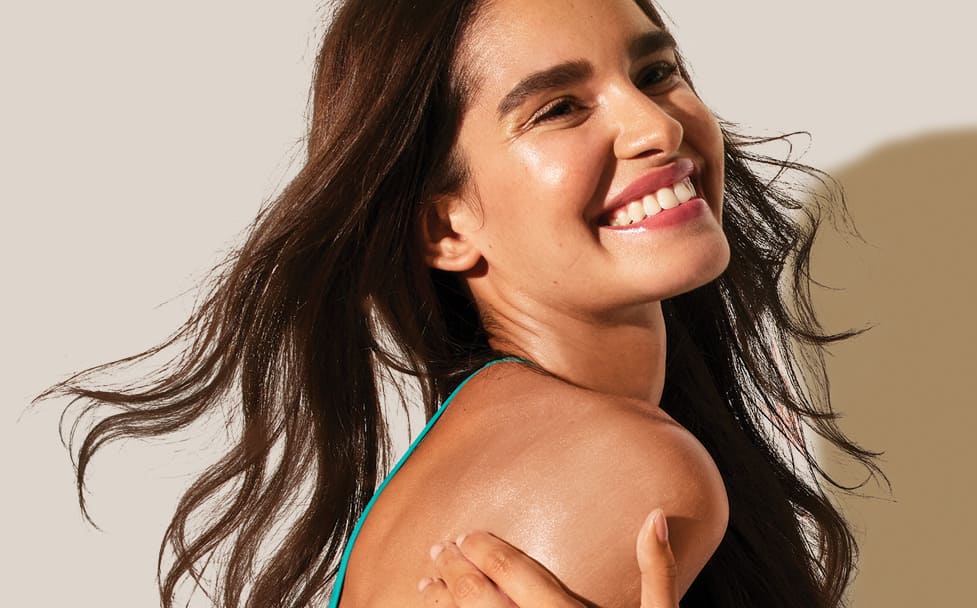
<point>556,109</point>
<point>659,77</point>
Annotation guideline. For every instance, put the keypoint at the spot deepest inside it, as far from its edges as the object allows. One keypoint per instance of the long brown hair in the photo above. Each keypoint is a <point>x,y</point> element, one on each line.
<point>329,292</point>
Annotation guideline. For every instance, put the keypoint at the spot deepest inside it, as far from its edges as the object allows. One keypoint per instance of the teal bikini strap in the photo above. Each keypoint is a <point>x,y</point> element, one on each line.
<point>337,589</point>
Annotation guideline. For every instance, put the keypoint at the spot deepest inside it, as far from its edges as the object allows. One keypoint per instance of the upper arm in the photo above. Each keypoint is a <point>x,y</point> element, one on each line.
<point>578,492</point>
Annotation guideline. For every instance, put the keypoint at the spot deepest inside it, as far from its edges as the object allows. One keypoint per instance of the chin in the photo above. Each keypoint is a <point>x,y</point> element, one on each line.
<point>706,266</point>
<point>719,261</point>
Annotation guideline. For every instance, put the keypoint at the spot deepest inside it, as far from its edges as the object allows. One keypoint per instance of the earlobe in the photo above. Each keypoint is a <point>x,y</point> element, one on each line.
<point>446,246</point>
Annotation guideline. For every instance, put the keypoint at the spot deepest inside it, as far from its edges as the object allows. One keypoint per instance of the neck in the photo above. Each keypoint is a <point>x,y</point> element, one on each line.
<point>623,357</point>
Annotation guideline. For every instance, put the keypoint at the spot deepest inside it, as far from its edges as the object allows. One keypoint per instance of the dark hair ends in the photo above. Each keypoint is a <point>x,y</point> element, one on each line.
<point>329,292</point>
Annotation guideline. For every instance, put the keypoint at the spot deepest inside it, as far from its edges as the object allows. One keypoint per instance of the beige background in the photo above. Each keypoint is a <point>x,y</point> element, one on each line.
<point>138,139</point>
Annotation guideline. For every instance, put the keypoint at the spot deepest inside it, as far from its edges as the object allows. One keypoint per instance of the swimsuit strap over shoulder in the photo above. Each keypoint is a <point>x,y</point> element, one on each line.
<point>337,589</point>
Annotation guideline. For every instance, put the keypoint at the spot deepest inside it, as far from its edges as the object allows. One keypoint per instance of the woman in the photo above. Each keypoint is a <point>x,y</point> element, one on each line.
<point>530,191</point>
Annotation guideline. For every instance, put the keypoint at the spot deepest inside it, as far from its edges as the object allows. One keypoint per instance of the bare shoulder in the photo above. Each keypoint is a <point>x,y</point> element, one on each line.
<point>568,475</point>
<point>564,474</point>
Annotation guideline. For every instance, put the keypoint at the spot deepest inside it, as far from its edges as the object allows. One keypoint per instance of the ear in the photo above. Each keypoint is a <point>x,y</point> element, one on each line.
<point>445,223</point>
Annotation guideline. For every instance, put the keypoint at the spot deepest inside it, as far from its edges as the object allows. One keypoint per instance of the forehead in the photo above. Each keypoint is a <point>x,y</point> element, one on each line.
<point>511,38</point>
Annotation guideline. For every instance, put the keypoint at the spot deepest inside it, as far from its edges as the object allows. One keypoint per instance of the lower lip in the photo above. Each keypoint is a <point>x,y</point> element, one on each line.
<point>684,213</point>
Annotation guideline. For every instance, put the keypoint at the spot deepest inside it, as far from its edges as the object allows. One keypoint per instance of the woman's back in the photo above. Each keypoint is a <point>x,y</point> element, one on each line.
<point>564,473</point>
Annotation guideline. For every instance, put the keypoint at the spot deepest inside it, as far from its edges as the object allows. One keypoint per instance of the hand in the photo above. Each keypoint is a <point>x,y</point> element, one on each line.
<point>479,570</point>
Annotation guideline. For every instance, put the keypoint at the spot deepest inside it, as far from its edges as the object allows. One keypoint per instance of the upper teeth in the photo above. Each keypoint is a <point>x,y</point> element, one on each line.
<point>668,197</point>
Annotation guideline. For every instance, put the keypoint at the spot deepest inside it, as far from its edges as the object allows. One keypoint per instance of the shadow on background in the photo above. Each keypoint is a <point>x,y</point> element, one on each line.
<point>907,386</point>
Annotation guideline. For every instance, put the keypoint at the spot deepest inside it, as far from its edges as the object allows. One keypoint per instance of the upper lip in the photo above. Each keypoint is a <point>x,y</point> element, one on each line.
<point>651,182</point>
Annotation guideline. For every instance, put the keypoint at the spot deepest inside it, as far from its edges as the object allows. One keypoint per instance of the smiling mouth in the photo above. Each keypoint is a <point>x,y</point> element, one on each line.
<point>649,205</point>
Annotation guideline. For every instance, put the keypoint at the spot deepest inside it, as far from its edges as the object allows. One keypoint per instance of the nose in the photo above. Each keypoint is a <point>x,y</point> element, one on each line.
<point>644,127</point>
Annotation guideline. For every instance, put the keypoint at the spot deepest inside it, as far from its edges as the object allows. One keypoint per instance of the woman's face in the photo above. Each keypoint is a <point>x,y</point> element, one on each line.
<point>578,111</point>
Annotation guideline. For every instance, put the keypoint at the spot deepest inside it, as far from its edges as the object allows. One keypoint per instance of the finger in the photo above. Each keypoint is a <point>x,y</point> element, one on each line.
<point>657,563</point>
<point>516,574</point>
<point>435,594</point>
<point>469,587</point>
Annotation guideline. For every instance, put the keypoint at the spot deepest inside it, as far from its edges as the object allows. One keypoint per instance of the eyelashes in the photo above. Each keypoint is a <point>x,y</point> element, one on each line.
<point>654,80</point>
<point>658,75</point>
<point>558,108</point>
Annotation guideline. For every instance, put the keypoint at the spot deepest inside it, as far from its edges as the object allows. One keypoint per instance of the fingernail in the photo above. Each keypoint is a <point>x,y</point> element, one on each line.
<point>661,527</point>
<point>460,539</point>
<point>423,583</point>
<point>436,550</point>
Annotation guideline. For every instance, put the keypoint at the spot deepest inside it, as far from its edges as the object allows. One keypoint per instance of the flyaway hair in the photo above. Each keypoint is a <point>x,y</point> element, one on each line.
<point>329,292</point>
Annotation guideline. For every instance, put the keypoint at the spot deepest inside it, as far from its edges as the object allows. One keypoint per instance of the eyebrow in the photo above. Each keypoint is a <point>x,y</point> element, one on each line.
<point>557,77</point>
<point>572,72</point>
<point>650,43</point>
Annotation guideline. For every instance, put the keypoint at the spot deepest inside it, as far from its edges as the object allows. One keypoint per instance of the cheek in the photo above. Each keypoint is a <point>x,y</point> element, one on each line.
<point>534,196</point>
<point>705,137</point>
<point>556,175</point>
<point>568,167</point>
<point>540,169</point>
<point>698,122</point>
